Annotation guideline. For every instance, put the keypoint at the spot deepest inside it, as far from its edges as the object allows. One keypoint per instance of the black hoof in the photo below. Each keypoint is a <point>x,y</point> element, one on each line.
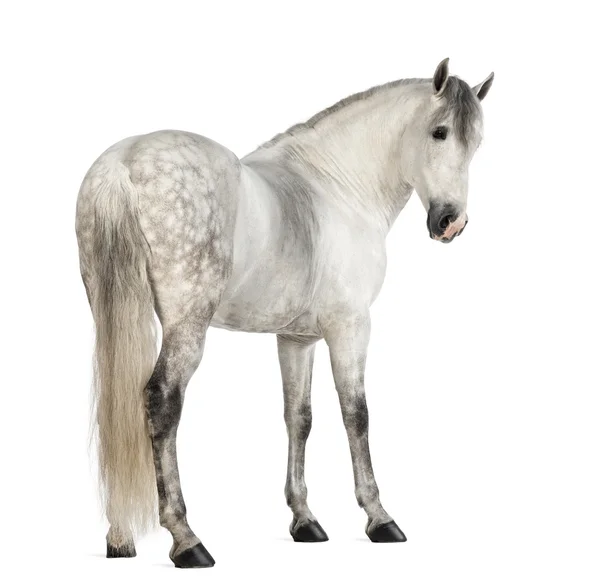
<point>310,532</point>
<point>127,550</point>
<point>387,533</point>
<point>194,557</point>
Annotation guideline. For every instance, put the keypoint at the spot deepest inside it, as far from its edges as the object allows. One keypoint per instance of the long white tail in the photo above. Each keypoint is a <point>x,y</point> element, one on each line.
<point>125,354</point>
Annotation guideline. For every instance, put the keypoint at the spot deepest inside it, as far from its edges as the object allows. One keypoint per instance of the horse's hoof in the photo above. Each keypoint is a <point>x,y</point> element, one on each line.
<point>310,532</point>
<point>194,557</point>
<point>127,550</point>
<point>387,533</point>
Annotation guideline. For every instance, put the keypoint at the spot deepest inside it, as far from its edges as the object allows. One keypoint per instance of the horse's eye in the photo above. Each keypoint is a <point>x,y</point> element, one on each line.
<point>440,133</point>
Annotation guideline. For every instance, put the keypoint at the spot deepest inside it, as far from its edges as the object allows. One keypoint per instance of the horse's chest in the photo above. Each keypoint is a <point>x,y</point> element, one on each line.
<point>354,270</point>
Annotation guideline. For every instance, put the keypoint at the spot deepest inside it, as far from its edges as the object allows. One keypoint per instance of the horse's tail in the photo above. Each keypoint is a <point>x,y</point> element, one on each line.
<point>125,354</point>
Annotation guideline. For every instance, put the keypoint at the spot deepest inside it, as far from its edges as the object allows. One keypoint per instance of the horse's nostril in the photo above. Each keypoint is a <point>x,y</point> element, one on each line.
<point>445,221</point>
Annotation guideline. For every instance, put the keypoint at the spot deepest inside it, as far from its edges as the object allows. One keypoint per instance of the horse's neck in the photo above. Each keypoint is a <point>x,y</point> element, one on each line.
<point>353,154</point>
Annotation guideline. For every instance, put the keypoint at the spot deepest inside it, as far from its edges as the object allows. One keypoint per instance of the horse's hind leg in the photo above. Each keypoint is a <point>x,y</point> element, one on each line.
<point>296,361</point>
<point>179,357</point>
<point>188,192</point>
<point>186,299</point>
<point>181,352</point>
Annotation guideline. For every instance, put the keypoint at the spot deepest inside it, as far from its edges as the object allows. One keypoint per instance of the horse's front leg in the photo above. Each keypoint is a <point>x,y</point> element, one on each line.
<point>348,341</point>
<point>296,360</point>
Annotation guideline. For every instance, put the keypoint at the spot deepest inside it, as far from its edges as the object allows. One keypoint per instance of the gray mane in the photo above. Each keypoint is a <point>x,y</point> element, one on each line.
<point>460,101</point>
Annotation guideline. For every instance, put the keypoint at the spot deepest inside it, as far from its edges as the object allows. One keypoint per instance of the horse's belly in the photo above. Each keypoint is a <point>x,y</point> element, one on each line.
<point>269,292</point>
<point>265,307</point>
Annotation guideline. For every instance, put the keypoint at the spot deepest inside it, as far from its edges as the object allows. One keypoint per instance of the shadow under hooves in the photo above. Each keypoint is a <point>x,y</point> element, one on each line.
<point>194,557</point>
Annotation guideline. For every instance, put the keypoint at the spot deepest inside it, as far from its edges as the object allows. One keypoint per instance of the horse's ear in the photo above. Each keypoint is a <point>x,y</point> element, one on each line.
<point>440,77</point>
<point>482,89</point>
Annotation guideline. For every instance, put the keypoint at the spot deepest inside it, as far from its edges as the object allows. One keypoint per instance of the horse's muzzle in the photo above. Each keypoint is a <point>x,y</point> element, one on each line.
<point>445,222</point>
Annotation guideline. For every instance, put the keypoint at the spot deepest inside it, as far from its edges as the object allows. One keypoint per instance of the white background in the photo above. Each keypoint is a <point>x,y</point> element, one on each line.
<point>482,378</point>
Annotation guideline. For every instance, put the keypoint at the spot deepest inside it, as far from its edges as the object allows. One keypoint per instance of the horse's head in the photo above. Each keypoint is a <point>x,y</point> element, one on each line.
<point>437,148</point>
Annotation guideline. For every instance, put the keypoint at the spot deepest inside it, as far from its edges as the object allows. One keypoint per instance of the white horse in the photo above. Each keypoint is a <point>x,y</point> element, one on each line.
<point>290,240</point>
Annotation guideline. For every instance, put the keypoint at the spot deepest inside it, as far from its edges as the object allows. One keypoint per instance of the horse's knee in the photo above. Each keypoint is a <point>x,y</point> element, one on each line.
<point>356,416</point>
<point>299,421</point>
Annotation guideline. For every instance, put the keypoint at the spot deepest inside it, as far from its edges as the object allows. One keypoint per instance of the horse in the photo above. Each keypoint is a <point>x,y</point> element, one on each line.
<point>289,240</point>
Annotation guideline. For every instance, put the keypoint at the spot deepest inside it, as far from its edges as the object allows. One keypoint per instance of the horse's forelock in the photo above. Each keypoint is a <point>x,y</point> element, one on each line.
<point>460,103</point>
